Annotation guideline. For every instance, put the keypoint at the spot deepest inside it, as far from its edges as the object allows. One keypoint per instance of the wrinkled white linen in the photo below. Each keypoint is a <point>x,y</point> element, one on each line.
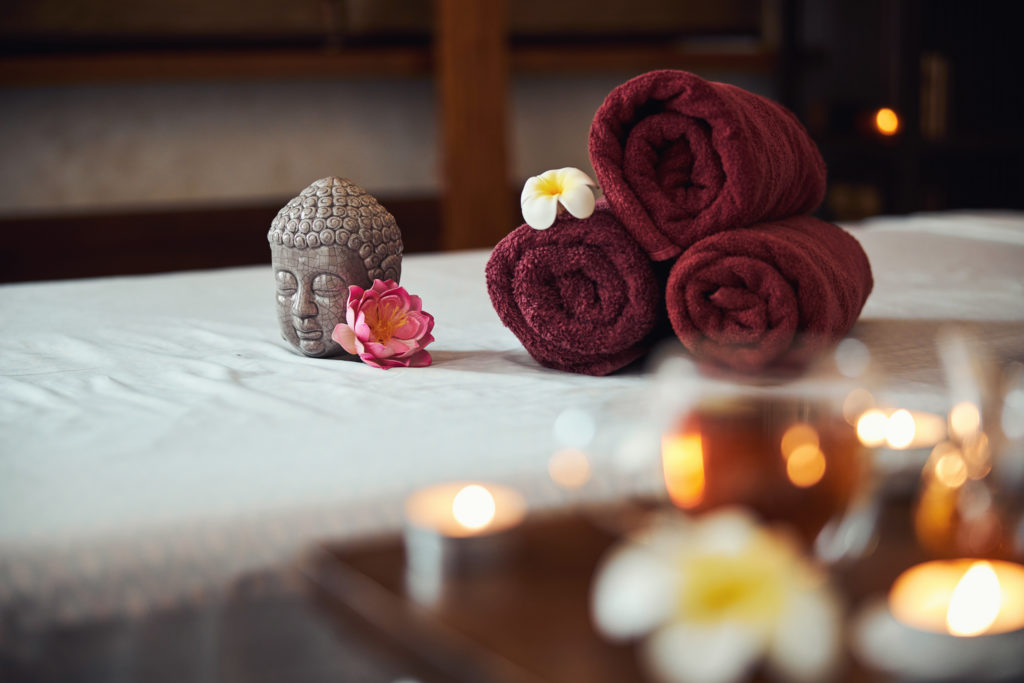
<point>157,434</point>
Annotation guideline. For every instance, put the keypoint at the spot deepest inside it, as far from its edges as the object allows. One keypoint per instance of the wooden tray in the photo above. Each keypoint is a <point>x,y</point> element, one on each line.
<point>525,618</point>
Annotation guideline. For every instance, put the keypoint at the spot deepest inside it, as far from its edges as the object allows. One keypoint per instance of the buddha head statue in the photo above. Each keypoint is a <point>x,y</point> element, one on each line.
<point>333,235</point>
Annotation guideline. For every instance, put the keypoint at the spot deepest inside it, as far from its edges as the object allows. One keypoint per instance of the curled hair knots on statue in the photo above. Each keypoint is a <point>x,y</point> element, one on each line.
<point>336,211</point>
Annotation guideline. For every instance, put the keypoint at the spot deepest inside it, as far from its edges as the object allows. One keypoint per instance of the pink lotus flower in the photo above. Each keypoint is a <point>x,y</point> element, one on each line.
<point>386,326</point>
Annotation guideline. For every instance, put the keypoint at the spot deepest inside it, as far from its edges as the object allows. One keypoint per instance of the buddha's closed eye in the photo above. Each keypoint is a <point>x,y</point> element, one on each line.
<point>287,285</point>
<point>329,286</point>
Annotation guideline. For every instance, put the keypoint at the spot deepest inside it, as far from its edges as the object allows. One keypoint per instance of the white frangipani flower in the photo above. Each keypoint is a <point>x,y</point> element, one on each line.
<point>713,597</point>
<point>542,194</point>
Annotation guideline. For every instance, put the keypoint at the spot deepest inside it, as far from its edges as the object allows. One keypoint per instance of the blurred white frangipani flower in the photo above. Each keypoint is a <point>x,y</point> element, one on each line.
<point>714,596</point>
<point>542,194</point>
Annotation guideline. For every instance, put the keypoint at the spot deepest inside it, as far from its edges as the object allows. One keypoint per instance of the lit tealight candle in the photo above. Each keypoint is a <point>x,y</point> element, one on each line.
<point>961,597</point>
<point>946,619</point>
<point>460,509</point>
<point>456,527</point>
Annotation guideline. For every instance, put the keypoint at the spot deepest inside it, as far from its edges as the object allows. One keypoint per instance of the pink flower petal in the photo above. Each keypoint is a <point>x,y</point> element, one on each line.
<point>355,293</point>
<point>417,324</point>
<point>370,360</point>
<point>412,328</point>
<point>401,297</point>
<point>378,350</point>
<point>385,363</point>
<point>420,360</point>
<point>370,310</point>
<point>399,347</point>
<point>382,286</point>
<point>344,335</point>
<point>415,303</point>
<point>362,329</point>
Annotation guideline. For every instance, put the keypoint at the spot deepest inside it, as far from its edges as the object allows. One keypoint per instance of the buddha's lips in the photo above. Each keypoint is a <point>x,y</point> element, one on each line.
<point>311,335</point>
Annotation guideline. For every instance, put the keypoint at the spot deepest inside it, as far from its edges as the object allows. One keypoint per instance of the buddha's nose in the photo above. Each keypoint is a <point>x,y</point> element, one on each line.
<point>303,306</point>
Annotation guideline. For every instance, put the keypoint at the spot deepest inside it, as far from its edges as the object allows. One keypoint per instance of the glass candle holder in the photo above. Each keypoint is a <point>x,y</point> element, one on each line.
<point>785,451</point>
<point>961,616</point>
<point>456,527</point>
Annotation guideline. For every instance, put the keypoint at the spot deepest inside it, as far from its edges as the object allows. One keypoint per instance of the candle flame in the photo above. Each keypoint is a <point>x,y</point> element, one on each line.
<point>473,507</point>
<point>975,602</point>
<point>682,458</point>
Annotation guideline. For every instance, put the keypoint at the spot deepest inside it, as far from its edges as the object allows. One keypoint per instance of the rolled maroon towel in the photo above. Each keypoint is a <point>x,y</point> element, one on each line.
<point>769,296</point>
<point>680,158</point>
<point>581,296</point>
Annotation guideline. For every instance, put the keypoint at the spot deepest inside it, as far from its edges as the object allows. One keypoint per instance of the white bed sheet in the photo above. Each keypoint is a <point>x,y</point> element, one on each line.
<point>157,436</point>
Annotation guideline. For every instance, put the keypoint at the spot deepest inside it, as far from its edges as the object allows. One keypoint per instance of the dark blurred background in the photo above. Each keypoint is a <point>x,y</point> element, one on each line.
<point>144,136</point>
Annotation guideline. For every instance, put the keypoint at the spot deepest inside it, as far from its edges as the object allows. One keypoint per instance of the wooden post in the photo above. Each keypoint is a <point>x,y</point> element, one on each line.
<point>472,81</point>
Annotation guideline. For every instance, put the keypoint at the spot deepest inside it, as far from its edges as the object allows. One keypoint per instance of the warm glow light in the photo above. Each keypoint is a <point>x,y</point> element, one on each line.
<point>963,597</point>
<point>805,466</point>
<point>950,468</point>
<point>899,429</point>
<point>569,468</point>
<point>934,516</point>
<point>800,434</point>
<point>473,507</point>
<point>929,429</point>
<point>459,509</point>
<point>975,602</point>
<point>886,121</point>
<point>977,455</point>
<point>682,458</point>
<point>871,428</point>
<point>964,420</point>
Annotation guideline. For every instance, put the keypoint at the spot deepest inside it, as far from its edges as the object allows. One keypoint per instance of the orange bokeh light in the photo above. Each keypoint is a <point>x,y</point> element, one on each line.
<point>682,458</point>
<point>798,434</point>
<point>886,121</point>
<point>805,466</point>
<point>569,468</point>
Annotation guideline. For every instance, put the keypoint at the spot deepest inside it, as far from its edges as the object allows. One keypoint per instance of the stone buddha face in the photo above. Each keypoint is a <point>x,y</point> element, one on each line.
<point>333,235</point>
<point>312,293</point>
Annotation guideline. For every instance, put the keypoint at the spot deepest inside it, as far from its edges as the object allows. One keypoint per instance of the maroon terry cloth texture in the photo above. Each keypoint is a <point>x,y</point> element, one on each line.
<point>680,158</point>
<point>581,296</point>
<point>773,295</point>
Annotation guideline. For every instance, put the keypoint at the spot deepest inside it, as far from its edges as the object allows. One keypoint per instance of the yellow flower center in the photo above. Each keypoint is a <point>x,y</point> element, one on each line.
<point>550,185</point>
<point>735,587</point>
<point>389,318</point>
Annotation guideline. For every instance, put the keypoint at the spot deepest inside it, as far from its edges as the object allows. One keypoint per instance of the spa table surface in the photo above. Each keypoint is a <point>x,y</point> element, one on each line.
<point>158,437</point>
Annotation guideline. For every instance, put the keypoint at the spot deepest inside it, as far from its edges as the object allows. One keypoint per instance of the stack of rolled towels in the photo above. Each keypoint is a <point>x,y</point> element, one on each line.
<point>703,225</point>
